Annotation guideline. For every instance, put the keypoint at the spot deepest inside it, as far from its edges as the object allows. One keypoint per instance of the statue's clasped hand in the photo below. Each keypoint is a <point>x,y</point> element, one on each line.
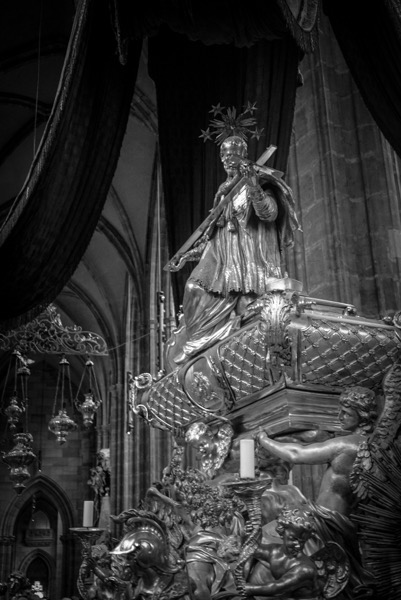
<point>248,171</point>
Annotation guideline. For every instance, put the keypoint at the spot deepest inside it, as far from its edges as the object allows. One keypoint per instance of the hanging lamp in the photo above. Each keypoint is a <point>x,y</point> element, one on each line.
<point>18,460</point>
<point>16,407</point>
<point>61,424</point>
<point>92,400</point>
<point>14,411</point>
<point>21,455</point>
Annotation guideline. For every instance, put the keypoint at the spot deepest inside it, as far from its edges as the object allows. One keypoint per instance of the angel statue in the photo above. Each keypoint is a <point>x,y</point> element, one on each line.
<point>240,244</point>
<point>336,499</point>
<point>376,482</point>
<point>283,570</point>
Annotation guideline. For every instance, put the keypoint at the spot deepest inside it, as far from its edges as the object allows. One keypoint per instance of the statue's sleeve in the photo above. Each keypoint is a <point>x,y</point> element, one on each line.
<point>264,203</point>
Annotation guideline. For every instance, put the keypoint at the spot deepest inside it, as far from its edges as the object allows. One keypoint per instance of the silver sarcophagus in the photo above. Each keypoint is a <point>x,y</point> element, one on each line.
<point>283,369</point>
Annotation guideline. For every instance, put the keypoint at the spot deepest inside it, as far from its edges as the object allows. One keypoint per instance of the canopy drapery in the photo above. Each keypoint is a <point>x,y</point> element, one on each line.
<point>199,54</point>
<point>369,35</point>
<point>53,218</point>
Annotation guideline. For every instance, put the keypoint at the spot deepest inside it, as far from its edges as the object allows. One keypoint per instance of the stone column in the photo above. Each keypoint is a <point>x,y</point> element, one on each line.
<point>6,556</point>
<point>70,559</point>
<point>346,181</point>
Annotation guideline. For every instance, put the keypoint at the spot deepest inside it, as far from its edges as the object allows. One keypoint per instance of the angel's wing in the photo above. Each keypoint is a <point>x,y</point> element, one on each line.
<point>379,521</point>
<point>390,420</point>
<point>333,569</point>
<point>383,436</point>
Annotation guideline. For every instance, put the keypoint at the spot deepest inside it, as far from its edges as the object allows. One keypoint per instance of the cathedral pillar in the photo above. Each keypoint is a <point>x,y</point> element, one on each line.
<point>346,181</point>
<point>6,556</point>
<point>117,448</point>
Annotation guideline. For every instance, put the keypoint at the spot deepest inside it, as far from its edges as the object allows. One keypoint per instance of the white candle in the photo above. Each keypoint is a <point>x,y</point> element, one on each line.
<point>88,514</point>
<point>247,459</point>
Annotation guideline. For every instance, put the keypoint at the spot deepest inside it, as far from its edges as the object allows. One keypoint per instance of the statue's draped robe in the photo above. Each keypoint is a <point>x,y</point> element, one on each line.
<point>243,254</point>
<point>238,262</point>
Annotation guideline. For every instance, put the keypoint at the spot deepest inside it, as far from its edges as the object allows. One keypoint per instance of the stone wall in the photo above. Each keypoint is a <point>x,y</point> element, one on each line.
<point>346,181</point>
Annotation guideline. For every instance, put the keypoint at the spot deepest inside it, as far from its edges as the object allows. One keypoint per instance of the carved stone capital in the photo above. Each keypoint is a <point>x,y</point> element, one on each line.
<point>7,540</point>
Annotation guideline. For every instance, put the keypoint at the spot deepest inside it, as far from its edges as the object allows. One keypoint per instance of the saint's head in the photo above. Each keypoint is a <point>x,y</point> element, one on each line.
<point>232,151</point>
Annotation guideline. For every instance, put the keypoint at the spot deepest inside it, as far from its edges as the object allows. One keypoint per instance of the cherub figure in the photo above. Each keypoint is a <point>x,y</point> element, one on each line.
<point>283,569</point>
<point>212,445</point>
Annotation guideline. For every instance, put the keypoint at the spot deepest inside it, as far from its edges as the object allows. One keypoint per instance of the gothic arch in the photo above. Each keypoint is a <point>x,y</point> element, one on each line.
<point>38,553</point>
<point>52,492</point>
<point>47,487</point>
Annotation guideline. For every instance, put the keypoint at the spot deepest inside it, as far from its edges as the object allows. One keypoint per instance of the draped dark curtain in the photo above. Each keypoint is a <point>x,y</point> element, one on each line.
<point>53,218</point>
<point>224,22</point>
<point>369,35</point>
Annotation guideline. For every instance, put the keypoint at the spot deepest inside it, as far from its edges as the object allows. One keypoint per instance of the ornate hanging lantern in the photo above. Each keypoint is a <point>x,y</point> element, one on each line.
<point>16,408</point>
<point>61,424</point>
<point>21,455</point>
<point>88,407</point>
<point>14,411</point>
<point>18,460</point>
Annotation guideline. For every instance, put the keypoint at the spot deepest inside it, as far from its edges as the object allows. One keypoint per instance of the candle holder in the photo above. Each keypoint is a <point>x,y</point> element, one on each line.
<point>250,491</point>
<point>87,535</point>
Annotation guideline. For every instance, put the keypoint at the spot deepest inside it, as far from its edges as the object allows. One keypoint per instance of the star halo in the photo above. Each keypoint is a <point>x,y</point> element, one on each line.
<point>230,123</point>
